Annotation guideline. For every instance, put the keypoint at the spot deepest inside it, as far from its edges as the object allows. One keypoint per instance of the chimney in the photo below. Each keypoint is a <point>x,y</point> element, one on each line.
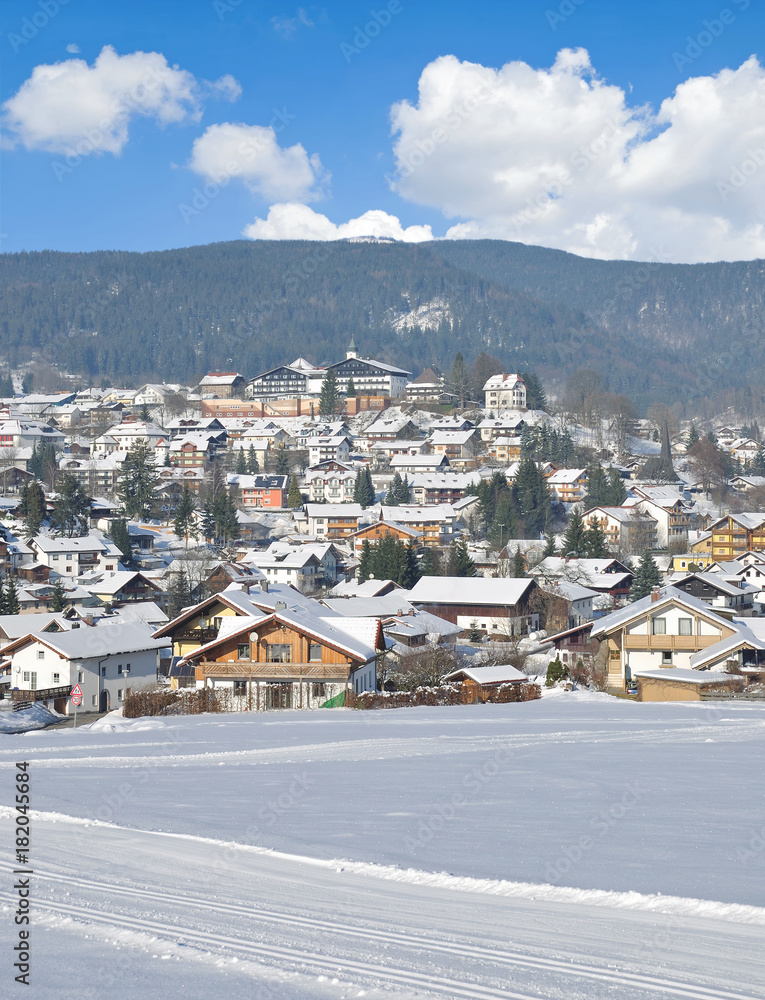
<point>655,593</point>
<point>264,586</point>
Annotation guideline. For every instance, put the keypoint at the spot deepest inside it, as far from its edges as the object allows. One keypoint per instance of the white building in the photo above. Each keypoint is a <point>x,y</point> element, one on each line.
<point>106,661</point>
<point>332,482</point>
<point>505,392</point>
<point>71,557</point>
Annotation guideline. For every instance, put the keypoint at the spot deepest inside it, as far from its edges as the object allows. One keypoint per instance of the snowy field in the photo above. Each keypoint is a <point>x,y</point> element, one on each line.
<point>576,847</point>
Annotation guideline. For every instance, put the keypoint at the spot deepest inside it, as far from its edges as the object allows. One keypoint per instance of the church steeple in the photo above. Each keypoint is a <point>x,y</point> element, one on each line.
<point>351,352</point>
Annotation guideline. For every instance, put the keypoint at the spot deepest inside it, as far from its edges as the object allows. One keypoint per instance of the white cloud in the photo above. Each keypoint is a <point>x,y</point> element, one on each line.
<point>298,222</point>
<point>253,153</point>
<point>73,47</point>
<point>558,157</point>
<point>71,107</point>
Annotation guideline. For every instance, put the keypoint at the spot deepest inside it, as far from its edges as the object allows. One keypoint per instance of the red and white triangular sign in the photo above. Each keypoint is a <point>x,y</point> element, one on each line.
<point>76,692</point>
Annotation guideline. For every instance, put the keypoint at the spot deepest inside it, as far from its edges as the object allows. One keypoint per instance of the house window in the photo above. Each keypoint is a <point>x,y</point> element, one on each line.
<point>242,652</point>
<point>56,678</point>
<point>685,626</point>
<point>40,654</point>
<point>614,654</point>
<point>80,676</point>
<point>26,675</point>
<point>314,652</point>
<point>119,694</point>
<point>93,700</point>
<point>666,658</point>
<point>279,652</point>
<point>240,687</point>
<point>659,626</point>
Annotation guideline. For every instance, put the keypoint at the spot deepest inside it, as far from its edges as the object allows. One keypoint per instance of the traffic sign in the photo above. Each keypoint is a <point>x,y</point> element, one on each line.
<point>76,699</point>
<point>76,692</point>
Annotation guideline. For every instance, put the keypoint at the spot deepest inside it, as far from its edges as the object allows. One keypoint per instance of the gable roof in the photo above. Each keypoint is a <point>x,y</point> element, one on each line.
<point>93,641</point>
<point>668,596</point>
<point>475,590</point>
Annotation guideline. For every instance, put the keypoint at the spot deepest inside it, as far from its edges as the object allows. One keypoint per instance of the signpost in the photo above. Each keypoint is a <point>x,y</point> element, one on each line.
<point>76,695</point>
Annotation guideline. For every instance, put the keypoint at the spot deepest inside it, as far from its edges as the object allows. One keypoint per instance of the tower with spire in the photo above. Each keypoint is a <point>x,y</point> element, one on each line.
<point>352,351</point>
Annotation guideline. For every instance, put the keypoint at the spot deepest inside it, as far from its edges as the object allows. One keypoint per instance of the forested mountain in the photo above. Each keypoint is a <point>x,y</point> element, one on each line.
<point>658,331</point>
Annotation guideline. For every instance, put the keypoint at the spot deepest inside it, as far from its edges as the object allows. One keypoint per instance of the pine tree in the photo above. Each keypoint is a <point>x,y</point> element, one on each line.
<point>460,563</point>
<point>71,509</point>
<point>241,463</point>
<point>58,599</point>
<point>31,507</point>
<point>12,606</point>
<point>646,577</point>
<point>119,534</point>
<point>617,491</point>
<point>365,562</point>
<point>403,491</point>
<point>139,482</point>
<point>412,571</point>
<point>350,392</point>
<point>226,520</point>
<point>460,382</point>
<point>430,563</point>
<point>282,465</point>
<point>595,543</point>
<point>573,539</point>
<point>253,465</point>
<point>184,521</point>
<point>329,400</point>
<point>533,496</point>
<point>208,519</point>
<point>179,593</point>
<point>536,397</point>
<point>519,564</point>
<point>294,497</point>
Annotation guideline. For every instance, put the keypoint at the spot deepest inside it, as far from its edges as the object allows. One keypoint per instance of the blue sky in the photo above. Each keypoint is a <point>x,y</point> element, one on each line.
<point>311,90</point>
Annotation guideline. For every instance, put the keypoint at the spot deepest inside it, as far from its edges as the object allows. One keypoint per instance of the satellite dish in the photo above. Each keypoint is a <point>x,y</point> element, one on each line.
<point>253,636</point>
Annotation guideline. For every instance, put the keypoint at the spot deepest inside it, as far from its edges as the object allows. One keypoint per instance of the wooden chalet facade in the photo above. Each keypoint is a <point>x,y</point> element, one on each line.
<point>736,534</point>
<point>279,662</point>
<point>378,530</point>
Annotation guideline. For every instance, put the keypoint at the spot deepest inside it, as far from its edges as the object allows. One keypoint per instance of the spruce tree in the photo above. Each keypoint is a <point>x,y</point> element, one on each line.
<point>412,571</point>
<point>71,509</point>
<point>460,563</point>
<point>58,599</point>
<point>32,507</point>
<point>595,543</point>
<point>3,602</point>
<point>282,465</point>
<point>536,397</point>
<point>598,488</point>
<point>253,465</point>
<point>533,496</point>
<point>12,606</point>
<point>365,562</point>
<point>550,547</point>
<point>693,436</point>
<point>119,534</point>
<point>225,514</point>
<point>391,497</point>
<point>403,490</point>
<point>617,491</point>
<point>179,594</point>
<point>519,564</point>
<point>430,563</point>
<point>646,577</point>
<point>138,484</point>
<point>294,497</point>
<point>573,539</point>
<point>208,519</point>
<point>241,463</point>
<point>184,522</point>
<point>329,399</point>
<point>350,392</point>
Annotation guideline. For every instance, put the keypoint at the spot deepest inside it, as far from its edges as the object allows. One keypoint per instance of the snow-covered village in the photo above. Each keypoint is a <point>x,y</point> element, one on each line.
<point>382,500</point>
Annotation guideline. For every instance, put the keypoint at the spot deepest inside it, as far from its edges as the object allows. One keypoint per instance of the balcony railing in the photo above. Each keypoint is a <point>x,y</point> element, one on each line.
<point>240,669</point>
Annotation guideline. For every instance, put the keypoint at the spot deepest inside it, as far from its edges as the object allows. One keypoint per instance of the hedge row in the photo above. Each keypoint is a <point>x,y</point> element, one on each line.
<point>445,694</point>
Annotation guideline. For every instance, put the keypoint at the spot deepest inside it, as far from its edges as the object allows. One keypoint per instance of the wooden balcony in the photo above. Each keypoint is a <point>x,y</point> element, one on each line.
<point>245,669</point>
<point>657,643</point>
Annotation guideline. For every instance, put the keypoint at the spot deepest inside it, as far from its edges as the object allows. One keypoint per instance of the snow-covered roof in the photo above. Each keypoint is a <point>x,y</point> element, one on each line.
<point>504,674</point>
<point>82,643</point>
<point>475,590</point>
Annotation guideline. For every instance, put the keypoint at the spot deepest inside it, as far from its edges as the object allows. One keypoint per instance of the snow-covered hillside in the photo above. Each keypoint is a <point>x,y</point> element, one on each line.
<point>578,847</point>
